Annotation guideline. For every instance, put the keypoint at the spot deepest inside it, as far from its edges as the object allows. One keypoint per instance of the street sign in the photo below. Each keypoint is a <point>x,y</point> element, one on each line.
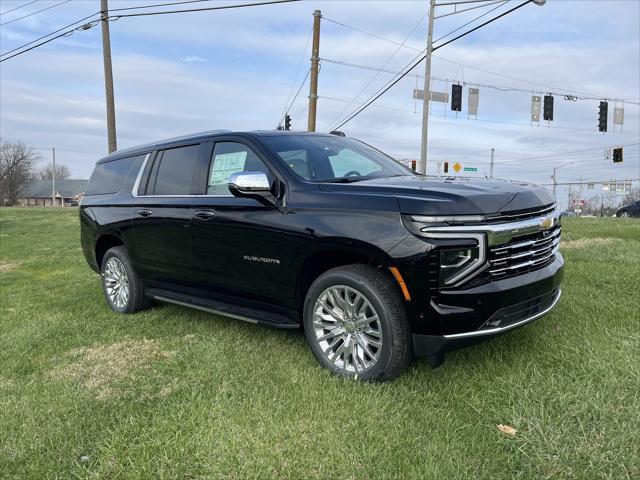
<point>418,94</point>
<point>457,167</point>
<point>470,169</point>
<point>578,202</point>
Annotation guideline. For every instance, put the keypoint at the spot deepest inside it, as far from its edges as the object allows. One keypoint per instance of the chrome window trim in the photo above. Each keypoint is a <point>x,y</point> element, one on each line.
<point>491,331</point>
<point>136,186</point>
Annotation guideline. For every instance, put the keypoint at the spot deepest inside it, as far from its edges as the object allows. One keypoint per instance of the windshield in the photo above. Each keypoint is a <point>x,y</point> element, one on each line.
<point>332,159</point>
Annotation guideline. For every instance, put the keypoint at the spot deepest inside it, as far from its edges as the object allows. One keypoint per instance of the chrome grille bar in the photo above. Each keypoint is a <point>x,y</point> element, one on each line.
<point>524,255</point>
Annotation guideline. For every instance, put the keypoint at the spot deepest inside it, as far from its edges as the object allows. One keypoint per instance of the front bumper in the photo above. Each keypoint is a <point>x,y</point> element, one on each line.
<point>467,317</point>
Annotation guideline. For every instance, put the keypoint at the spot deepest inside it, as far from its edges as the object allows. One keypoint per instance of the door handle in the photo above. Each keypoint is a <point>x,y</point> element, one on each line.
<point>144,212</point>
<point>205,214</point>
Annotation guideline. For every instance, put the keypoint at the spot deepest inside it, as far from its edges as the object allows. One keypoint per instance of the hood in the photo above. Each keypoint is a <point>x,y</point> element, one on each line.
<point>422,195</point>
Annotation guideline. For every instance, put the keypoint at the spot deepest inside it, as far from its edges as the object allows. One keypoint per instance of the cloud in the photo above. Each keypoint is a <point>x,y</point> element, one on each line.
<point>193,59</point>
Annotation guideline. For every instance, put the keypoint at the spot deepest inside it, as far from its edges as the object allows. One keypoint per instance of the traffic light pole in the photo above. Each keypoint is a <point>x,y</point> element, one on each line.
<point>315,62</point>
<point>422,165</point>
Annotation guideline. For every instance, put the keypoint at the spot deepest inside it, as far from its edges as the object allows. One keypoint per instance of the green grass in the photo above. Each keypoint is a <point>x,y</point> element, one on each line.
<point>178,393</point>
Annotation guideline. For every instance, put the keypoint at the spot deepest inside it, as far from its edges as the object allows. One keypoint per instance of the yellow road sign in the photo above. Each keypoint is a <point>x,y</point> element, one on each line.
<point>457,167</point>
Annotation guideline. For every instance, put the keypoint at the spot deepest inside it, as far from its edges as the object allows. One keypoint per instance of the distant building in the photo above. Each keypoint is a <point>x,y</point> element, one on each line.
<point>38,193</point>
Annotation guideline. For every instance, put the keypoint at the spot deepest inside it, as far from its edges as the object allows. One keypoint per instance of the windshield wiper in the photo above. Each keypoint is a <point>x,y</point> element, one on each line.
<point>342,180</point>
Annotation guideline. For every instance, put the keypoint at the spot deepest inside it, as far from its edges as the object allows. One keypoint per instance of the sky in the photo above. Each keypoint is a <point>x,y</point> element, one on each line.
<point>236,69</point>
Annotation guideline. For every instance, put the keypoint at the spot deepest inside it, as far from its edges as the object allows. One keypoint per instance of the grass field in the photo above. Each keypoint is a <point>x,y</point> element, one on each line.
<point>178,393</point>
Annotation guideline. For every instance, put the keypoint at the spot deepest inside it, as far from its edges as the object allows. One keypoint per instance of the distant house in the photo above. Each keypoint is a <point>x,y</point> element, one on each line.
<point>38,193</point>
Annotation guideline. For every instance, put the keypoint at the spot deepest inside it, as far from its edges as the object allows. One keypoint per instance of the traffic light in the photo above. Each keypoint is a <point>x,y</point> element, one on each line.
<point>617,155</point>
<point>456,98</point>
<point>547,112</point>
<point>446,167</point>
<point>602,116</point>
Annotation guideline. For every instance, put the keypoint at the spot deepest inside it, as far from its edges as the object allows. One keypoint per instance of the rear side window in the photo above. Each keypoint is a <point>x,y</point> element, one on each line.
<point>175,171</point>
<point>109,176</point>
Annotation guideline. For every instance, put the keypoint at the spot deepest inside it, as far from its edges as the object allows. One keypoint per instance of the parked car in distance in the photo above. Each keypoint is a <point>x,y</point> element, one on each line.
<point>325,233</point>
<point>628,211</point>
<point>568,214</point>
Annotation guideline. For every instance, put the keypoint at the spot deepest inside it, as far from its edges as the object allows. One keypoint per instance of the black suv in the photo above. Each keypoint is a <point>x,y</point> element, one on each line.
<point>628,211</point>
<point>323,233</point>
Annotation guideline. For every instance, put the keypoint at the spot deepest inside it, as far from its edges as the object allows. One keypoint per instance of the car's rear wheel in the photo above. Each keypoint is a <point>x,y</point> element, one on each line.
<point>356,325</point>
<point>121,286</point>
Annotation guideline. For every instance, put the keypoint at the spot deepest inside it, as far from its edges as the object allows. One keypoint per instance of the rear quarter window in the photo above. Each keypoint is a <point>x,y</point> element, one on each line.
<point>108,177</point>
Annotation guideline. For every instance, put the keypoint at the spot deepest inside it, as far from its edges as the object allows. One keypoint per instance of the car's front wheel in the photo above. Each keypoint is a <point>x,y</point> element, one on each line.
<point>356,325</point>
<point>625,214</point>
<point>120,284</point>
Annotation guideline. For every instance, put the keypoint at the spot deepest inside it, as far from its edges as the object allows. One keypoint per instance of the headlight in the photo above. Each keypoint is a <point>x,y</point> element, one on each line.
<point>455,263</point>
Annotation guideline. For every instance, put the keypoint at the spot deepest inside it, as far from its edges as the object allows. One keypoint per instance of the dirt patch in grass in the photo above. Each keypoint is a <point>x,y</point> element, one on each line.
<point>7,267</point>
<point>587,242</point>
<point>125,369</point>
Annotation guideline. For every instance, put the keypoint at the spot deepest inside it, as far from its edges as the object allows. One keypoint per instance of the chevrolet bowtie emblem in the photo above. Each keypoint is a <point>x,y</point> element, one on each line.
<point>546,223</point>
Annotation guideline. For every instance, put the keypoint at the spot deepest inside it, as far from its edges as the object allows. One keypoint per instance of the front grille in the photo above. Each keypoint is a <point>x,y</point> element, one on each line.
<point>524,253</point>
<point>516,215</point>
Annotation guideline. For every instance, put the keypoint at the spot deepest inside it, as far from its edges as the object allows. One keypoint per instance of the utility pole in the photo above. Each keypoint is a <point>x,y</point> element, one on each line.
<point>53,176</point>
<point>555,183</point>
<point>315,62</point>
<point>422,166</point>
<point>108,76</point>
<point>493,151</point>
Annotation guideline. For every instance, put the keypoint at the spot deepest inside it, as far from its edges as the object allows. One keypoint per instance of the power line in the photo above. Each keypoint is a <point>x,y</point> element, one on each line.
<point>420,58</point>
<point>413,64</point>
<point>116,17</point>
<point>473,83</point>
<point>374,35</point>
<point>304,80</point>
<point>170,4</point>
<point>14,9</point>
<point>378,72</point>
<point>203,9</point>
<point>471,21</point>
<point>483,24</point>
<point>569,152</point>
<point>295,78</point>
<point>35,13</point>
<point>66,33</point>
<point>529,82</point>
<point>49,34</point>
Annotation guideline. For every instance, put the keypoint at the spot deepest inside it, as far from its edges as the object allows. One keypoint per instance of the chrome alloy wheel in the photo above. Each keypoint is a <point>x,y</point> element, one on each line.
<point>347,329</point>
<point>625,215</point>
<point>116,282</point>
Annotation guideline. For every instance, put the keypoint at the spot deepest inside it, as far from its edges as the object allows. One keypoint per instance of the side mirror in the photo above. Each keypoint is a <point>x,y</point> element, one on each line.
<point>250,184</point>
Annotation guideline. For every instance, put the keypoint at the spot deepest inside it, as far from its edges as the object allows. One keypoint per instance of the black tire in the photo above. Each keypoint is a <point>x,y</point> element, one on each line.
<point>136,300</point>
<point>378,288</point>
<point>625,214</point>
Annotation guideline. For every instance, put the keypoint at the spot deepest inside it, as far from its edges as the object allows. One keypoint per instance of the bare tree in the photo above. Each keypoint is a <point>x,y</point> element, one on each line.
<point>46,172</point>
<point>632,196</point>
<point>17,163</point>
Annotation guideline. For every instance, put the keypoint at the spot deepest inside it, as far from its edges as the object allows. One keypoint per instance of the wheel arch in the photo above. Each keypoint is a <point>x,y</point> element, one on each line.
<point>103,244</point>
<point>328,257</point>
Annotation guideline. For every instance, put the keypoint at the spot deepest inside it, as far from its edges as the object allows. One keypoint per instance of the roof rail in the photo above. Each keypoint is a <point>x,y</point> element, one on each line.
<point>174,139</point>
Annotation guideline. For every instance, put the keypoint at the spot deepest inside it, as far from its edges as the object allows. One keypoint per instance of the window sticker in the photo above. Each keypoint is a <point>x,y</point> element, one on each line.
<point>225,164</point>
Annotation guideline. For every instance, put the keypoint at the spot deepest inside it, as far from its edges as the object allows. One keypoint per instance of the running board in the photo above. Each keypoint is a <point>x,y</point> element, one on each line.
<point>245,314</point>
